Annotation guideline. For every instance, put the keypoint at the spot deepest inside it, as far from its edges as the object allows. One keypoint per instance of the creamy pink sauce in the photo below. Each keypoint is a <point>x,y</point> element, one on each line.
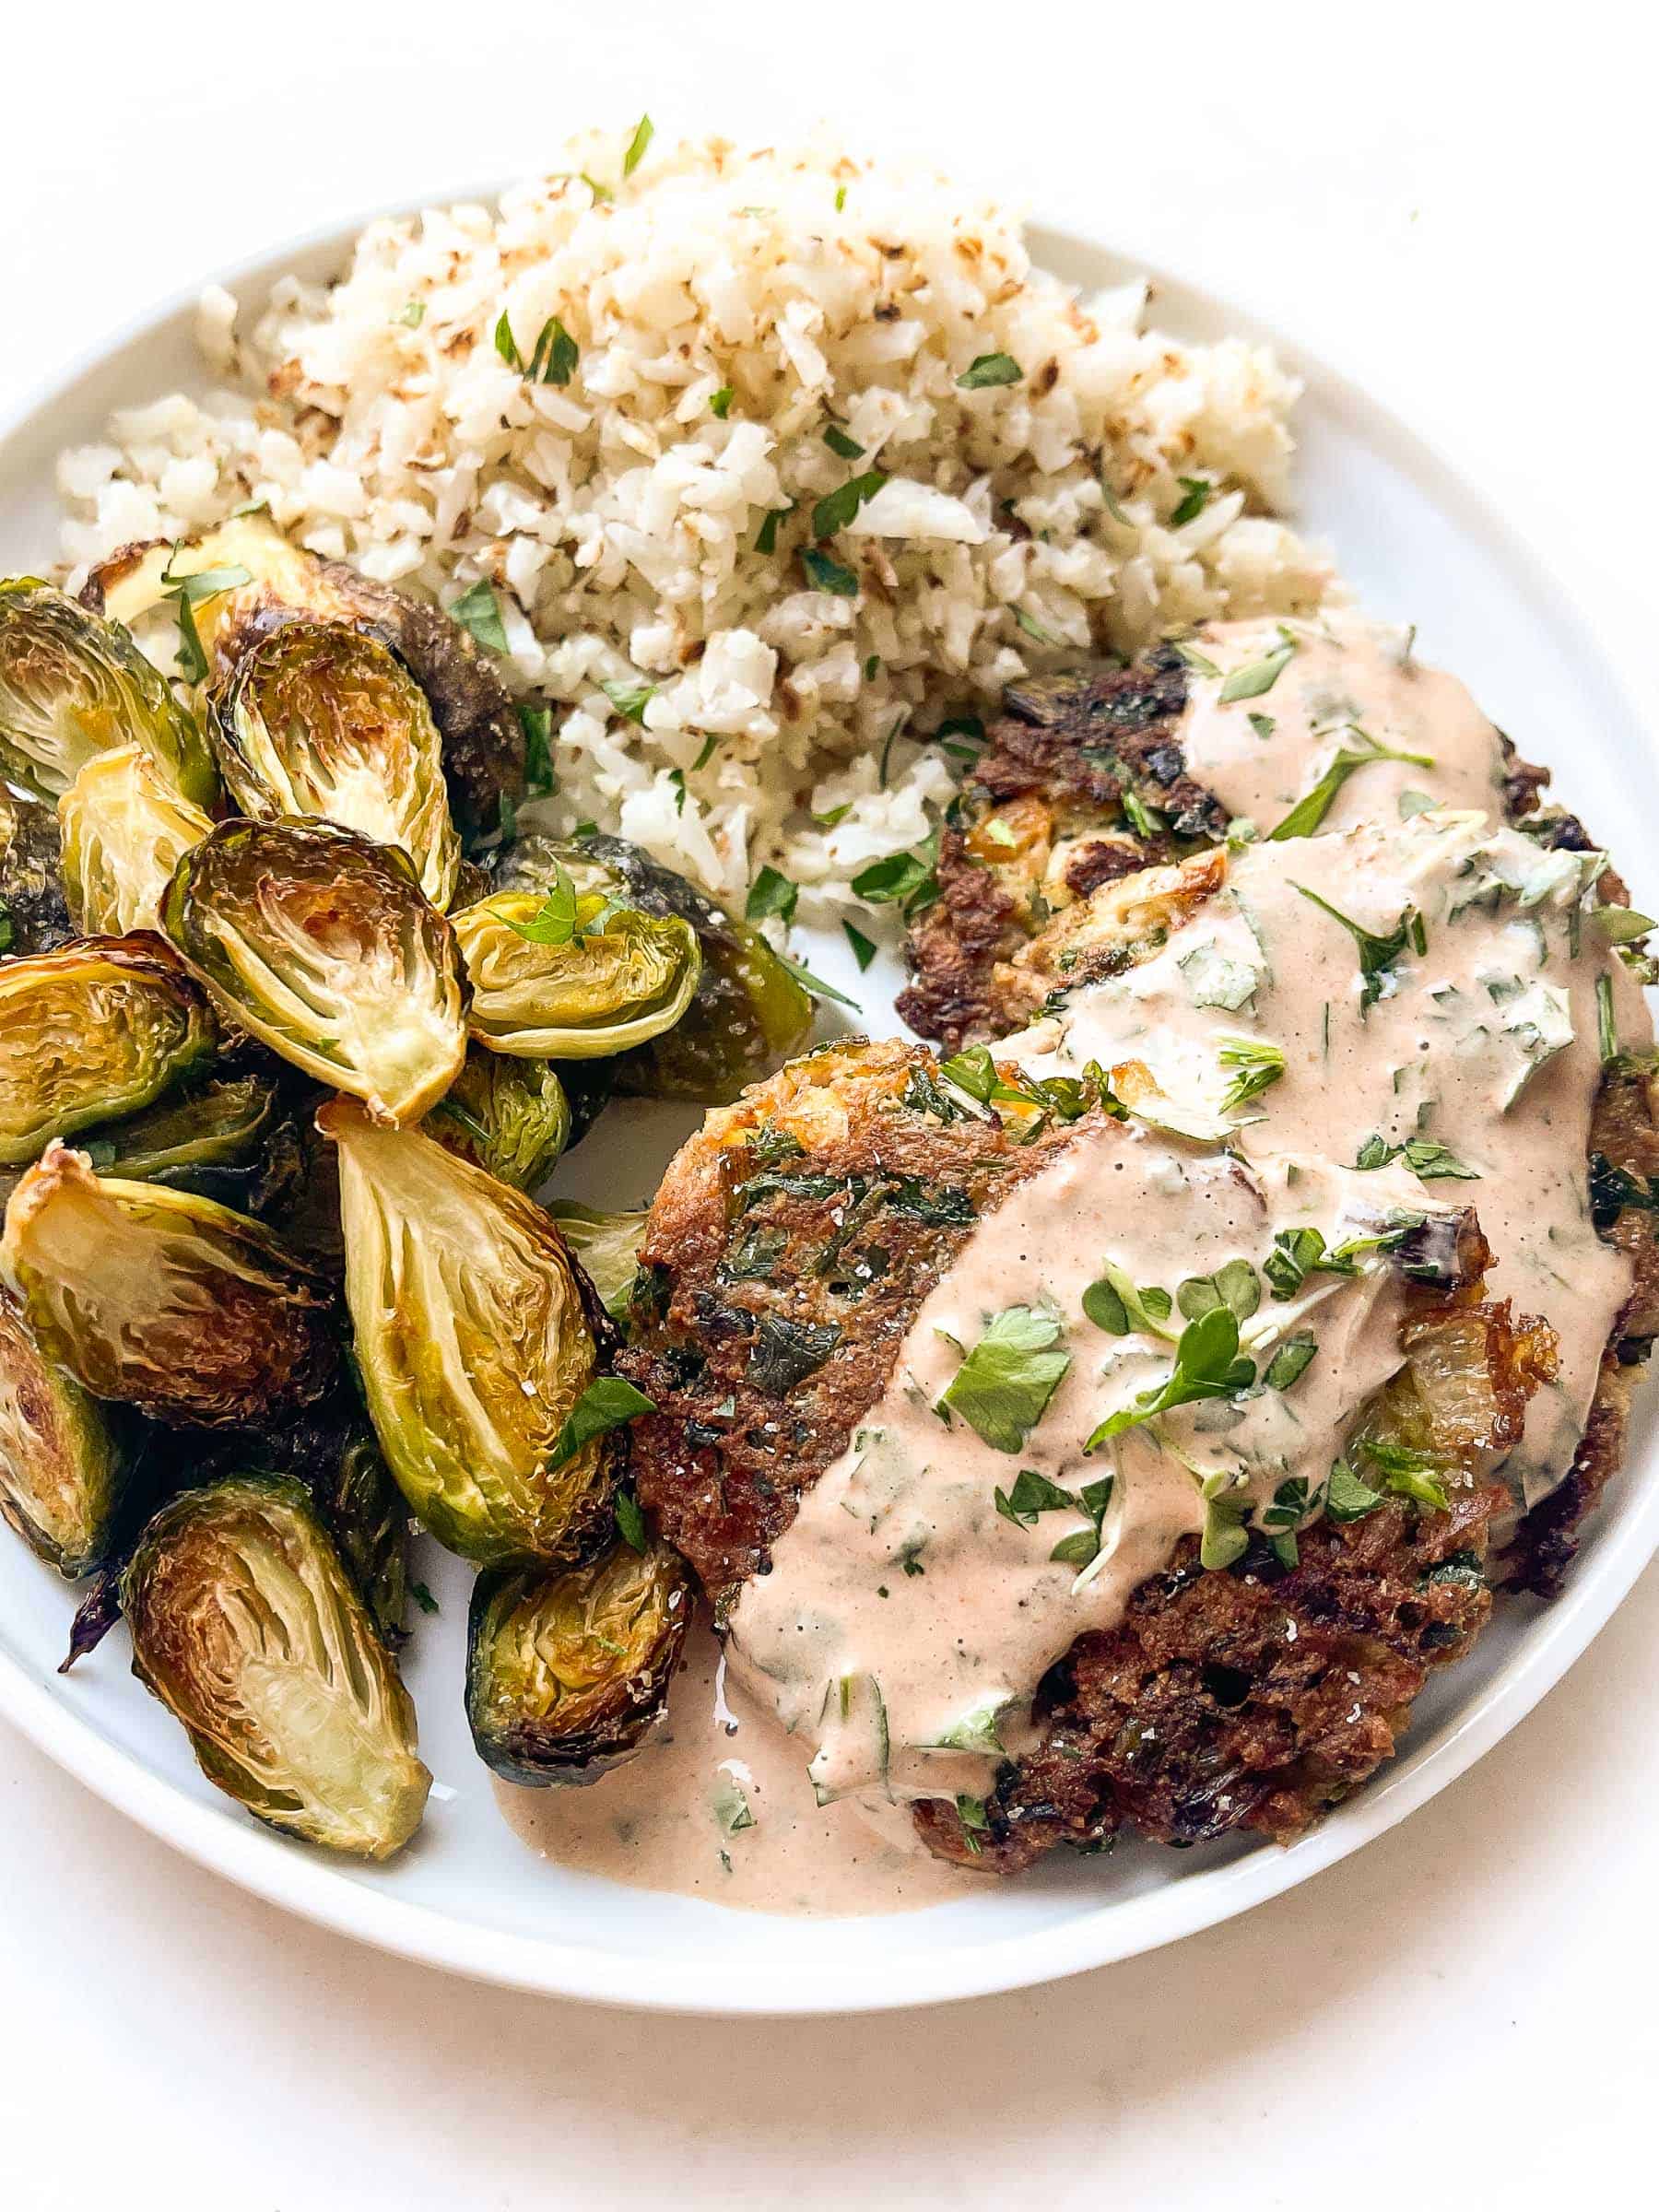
<point>863,1685</point>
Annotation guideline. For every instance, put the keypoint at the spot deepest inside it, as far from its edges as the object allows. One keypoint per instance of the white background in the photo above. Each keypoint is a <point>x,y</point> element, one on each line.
<point>1461,214</point>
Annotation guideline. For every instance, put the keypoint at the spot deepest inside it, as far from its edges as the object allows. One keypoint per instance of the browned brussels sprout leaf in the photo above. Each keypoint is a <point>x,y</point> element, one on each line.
<point>72,686</point>
<point>98,1029</point>
<point>749,1013</point>
<point>34,916</point>
<point>192,1313</point>
<point>483,740</point>
<point>476,1336</point>
<point>233,1140</point>
<point>125,830</point>
<point>246,1626</point>
<point>66,1461</point>
<point>319,943</point>
<point>510,1116</point>
<point>578,984</point>
<point>568,1669</point>
<point>320,719</point>
<point>608,1247</point>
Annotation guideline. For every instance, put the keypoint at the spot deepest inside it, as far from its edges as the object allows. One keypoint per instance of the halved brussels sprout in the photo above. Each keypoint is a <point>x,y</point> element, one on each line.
<point>608,1247</point>
<point>168,1302</point>
<point>72,687</point>
<point>483,739</point>
<point>65,1460</point>
<point>568,1669</point>
<point>125,830</point>
<point>246,1626</point>
<point>234,1140</point>
<point>510,1116</point>
<point>321,943</point>
<point>98,1029</point>
<point>748,1015</point>
<point>476,1336</point>
<point>33,916</point>
<point>322,720</point>
<point>580,990</point>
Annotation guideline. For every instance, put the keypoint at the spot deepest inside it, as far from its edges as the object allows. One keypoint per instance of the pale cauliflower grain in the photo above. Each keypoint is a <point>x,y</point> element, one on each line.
<point>621,519</point>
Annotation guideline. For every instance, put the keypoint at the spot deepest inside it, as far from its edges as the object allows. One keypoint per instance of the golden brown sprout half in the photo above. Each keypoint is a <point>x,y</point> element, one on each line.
<point>125,830</point>
<point>579,984</point>
<point>477,1339</point>
<point>247,1627</point>
<point>568,1669</point>
<point>321,943</point>
<point>98,1029</point>
<point>64,1461</point>
<point>166,1301</point>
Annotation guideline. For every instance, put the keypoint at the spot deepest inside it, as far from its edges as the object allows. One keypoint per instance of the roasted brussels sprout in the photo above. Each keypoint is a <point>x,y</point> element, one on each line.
<point>65,1459</point>
<point>246,1626</point>
<point>322,720</point>
<point>608,1247</point>
<point>125,830</point>
<point>748,1014</point>
<point>577,987</point>
<point>192,1313</point>
<point>568,1669</point>
<point>233,1140</point>
<point>95,1030</point>
<point>477,1337</point>
<point>72,687</point>
<point>321,943</point>
<point>511,1116</point>
<point>483,739</point>
<point>33,915</point>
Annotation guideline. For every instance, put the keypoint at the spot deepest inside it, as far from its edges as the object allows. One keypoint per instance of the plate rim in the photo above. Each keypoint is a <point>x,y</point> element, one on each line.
<point>282,1873</point>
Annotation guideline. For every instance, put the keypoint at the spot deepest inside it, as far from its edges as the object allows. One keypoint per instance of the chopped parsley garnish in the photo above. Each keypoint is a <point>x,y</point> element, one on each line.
<point>1225,1505</point>
<point>971,1811</point>
<point>643,133</point>
<point>630,700</point>
<point>414,314</point>
<point>837,507</point>
<point>1003,1385</point>
<point>771,893</point>
<point>606,1404</point>
<point>1377,954</point>
<point>1032,628</point>
<point>1429,1162</point>
<point>766,540</point>
<point>1345,1497</point>
<point>1305,816</point>
<point>1115,1303</point>
<point>1146,821</point>
<point>902,879</point>
<point>1258,1065</point>
<point>1196,493</point>
<point>423,1597</point>
<point>538,725</point>
<point>987,370</point>
<point>553,358</point>
<point>1607,1025</point>
<point>1197,662</point>
<point>631,1521</point>
<point>1263,725</point>
<point>479,611</point>
<point>190,592</point>
<point>1620,925</point>
<point>1030,1495</point>
<point>1289,1363</point>
<point>864,951</point>
<point>1406,1473</point>
<point>554,922</point>
<point>732,1808</point>
<point>1207,1365</point>
<point>841,197</point>
<point>834,817</point>
<point>1612,1189</point>
<point>1235,1286</point>
<point>826,574</point>
<point>1257,677</point>
<point>974,1071</point>
<point>1280,1520</point>
<point>814,984</point>
<point>720,403</point>
<point>838,440</point>
<point>1298,1253</point>
<point>676,783</point>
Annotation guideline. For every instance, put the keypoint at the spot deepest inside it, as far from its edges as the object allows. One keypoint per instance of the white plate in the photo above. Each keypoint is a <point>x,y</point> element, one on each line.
<point>468,1896</point>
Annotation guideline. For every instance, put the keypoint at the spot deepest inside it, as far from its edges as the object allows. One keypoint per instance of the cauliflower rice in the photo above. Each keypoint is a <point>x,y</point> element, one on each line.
<point>741,322</point>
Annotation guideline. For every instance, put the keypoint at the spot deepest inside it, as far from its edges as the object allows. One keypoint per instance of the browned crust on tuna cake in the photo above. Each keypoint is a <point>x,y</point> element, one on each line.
<point>778,1285</point>
<point>1250,1698</point>
<point>1054,769</point>
<point>1624,1131</point>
